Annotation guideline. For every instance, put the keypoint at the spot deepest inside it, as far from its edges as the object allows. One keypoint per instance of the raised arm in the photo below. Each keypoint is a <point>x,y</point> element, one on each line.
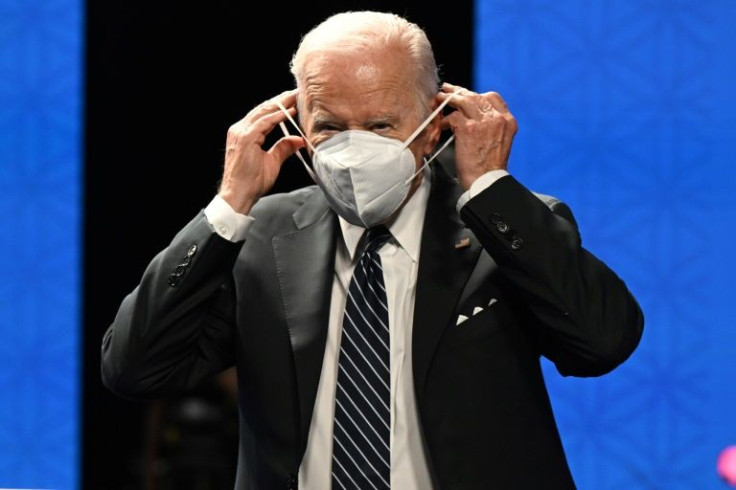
<point>588,322</point>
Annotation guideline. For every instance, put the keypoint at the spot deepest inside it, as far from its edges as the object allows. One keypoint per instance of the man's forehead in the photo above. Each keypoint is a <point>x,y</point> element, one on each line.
<point>374,77</point>
<point>386,103</point>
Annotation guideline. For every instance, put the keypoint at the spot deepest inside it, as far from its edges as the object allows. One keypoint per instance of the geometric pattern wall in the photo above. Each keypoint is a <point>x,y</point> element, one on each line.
<point>626,112</point>
<point>41,55</point>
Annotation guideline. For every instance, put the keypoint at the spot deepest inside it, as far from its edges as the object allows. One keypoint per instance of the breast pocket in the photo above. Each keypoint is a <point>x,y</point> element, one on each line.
<point>475,328</point>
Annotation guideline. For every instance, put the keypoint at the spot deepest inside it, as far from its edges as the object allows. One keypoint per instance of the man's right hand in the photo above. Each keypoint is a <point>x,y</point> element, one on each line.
<point>250,171</point>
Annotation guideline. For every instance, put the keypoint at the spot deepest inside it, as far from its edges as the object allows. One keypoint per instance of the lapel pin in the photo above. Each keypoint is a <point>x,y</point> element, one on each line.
<point>465,242</point>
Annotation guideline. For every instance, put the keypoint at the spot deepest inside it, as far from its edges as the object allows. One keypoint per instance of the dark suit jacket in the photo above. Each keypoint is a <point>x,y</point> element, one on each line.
<point>205,304</point>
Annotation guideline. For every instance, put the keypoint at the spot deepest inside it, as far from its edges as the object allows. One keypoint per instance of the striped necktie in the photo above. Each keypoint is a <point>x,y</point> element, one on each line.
<point>361,454</point>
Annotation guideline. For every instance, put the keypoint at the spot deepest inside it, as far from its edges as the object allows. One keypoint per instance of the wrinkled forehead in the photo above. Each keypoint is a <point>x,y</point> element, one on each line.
<point>382,81</point>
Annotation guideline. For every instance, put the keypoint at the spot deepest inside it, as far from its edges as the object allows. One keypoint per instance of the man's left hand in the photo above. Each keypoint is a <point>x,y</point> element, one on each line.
<point>484,130</point>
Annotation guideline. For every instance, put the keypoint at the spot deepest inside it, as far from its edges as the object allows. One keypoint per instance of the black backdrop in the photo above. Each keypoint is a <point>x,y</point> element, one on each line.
<point>164,82</point>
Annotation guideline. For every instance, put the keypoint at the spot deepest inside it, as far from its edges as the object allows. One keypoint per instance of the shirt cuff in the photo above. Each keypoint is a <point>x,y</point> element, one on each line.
<point>226,222</point>
<point>481,183</point>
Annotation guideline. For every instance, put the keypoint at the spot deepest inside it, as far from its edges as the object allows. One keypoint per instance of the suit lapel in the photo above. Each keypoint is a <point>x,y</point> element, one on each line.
<point>309,253</point>
<point>305,265</point>
<point>443,271</point>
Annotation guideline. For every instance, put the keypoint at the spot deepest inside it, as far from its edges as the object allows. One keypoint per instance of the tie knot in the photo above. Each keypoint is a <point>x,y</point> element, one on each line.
<point>376,237</point>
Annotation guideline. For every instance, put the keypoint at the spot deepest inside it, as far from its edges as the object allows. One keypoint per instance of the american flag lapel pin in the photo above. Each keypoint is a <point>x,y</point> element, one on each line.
<point>464,242</point>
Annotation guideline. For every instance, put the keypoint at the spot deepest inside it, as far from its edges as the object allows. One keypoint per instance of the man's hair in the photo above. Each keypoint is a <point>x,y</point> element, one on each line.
<point>355,31</point>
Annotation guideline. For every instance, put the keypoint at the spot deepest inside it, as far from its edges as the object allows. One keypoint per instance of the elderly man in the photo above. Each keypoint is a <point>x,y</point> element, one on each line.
<point>387,323</point>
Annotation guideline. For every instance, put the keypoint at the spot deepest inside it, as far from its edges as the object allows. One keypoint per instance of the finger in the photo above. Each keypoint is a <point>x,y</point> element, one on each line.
<point>267,122</point>
<point>449,88</point>
<point>452,121</point>
<point>495,99</point>
<point>287,99</point>
<point>285,147</point>
<point>470,104</point>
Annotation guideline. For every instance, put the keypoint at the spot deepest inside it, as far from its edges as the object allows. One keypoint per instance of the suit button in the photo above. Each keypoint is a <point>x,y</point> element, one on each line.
<point>516,243</point>
<point>502,227</point>
<point>192,250</point>
<point>179,271</point>
<point>174,280</point>
<point>495,218</point>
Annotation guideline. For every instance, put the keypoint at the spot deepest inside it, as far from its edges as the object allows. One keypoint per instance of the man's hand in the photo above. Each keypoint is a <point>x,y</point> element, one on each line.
<point>484,130</point>
<point>250,171</point>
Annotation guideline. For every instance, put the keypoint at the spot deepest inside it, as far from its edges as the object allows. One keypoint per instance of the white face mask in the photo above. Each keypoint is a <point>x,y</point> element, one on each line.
<point>365,177</point>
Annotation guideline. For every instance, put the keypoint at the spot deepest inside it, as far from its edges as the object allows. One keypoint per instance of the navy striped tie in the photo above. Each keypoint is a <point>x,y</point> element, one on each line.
<point>361,454</point>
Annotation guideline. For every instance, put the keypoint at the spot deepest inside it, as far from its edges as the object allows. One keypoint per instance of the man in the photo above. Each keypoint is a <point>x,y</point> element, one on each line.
<point>407,356</point>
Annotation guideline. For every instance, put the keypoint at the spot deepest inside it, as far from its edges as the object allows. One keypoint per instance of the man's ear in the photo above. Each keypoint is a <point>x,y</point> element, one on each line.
<point>433,131</point>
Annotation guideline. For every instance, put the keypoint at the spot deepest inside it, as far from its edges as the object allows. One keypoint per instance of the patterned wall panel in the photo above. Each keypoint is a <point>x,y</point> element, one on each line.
<point>40,144</point>
<point>626,111</point>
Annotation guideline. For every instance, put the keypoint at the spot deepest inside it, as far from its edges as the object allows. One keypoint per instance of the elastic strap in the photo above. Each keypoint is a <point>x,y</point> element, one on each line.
<point>286,133</point>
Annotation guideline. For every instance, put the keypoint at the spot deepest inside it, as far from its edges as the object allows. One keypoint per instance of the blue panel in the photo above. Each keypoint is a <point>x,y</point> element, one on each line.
<point>40,167</point>
<point>626,111</point>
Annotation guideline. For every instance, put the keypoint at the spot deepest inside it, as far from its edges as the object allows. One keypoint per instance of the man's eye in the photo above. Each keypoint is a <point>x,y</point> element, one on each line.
<point>380,127</point>
<point>322,128</point>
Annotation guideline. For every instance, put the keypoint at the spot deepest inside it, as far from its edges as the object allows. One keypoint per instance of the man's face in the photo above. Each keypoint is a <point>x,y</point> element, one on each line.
<point>370,92</point>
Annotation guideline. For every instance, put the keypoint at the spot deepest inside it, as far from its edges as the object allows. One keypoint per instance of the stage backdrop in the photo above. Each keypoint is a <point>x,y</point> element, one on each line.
<point>40,141</point>
<point>626,111</point>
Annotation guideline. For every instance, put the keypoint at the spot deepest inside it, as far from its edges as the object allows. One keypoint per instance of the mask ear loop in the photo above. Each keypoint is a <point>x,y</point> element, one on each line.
<point>286,133</point>
<point>421,128</point>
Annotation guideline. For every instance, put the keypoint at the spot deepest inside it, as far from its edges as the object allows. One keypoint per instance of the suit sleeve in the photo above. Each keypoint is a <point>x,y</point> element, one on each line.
<point>588,322</point>
<point>176,327</point>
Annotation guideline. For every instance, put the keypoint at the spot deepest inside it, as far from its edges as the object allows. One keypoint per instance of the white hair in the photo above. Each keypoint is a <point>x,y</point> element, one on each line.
<point>355,31</point>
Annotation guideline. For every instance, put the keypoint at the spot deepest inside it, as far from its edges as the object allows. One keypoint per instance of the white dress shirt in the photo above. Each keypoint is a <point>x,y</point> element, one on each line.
<point>400,260</point>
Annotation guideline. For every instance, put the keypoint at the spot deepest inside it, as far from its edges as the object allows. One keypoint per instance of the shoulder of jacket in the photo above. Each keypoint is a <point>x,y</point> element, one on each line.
<point>550,201</point>
<point>283,203</point>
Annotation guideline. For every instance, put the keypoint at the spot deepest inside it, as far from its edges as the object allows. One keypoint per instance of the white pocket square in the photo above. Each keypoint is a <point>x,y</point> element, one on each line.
<point>476,310</point>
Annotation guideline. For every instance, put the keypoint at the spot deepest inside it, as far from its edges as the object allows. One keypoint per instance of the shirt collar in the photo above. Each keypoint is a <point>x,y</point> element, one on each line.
<point>406,227</point>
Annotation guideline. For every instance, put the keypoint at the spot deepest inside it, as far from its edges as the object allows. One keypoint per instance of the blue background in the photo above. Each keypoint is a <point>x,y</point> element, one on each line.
<point>626,112</point>
<point>41,61</point>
